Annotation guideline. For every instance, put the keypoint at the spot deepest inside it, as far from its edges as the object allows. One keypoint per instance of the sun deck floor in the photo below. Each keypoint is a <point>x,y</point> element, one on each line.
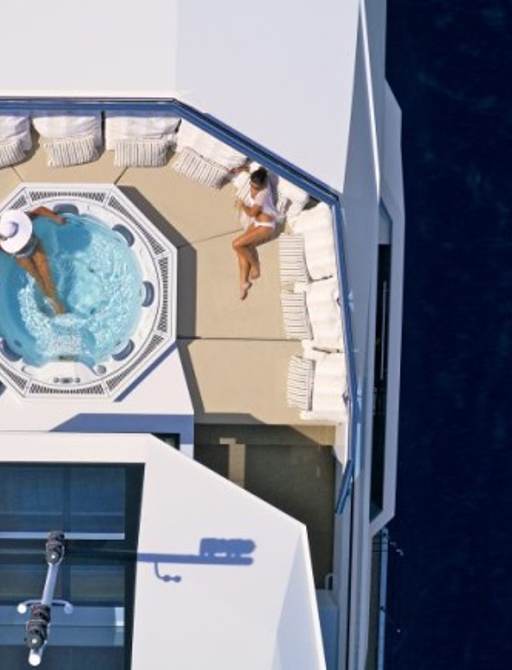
<point>234,352</point>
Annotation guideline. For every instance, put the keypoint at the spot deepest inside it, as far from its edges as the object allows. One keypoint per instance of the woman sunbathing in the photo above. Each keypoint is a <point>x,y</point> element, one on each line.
<point>258,216</point>
<point>17,238</point>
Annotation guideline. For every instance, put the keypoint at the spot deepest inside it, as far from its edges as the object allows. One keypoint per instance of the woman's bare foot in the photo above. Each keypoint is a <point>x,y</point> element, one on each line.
<point>244,290</point>
<point>58,307</point>
<point>255,271</point>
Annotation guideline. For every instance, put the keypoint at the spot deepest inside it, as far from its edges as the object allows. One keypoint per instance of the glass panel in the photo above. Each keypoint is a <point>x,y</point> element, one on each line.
<point>80,584</point>
<point>98,507</point>
<point>20,582</point>
<point>97,584</point>
<point>66,658</point>
<point>74,499</point>
<point>31,498</point>
<point>97,499</point>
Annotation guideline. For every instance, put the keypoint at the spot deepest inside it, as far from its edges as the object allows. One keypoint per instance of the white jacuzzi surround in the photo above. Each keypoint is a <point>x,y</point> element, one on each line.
<point>156,330</point>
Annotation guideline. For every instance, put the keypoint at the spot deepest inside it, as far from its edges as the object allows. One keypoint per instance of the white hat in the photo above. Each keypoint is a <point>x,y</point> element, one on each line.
<point>15,230</point>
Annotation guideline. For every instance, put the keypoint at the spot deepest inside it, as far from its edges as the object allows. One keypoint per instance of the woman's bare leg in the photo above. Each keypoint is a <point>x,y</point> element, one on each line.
<point>41,263</point>
<point>245,247</point>
<point>244,269</point>
<point>37,266</point>
<point>255,271</point>
<point>27,264</point>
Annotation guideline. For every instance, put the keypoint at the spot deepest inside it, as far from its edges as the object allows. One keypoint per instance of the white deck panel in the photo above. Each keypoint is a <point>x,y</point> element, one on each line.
<point>255,614</point>
<point>280,73</point>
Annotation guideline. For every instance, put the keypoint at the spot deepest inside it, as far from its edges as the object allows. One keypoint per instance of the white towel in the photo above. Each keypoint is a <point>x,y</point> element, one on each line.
<point>137,126</point>
<point>208,147</point>
<point>324,314</point>
<point>317,227</point>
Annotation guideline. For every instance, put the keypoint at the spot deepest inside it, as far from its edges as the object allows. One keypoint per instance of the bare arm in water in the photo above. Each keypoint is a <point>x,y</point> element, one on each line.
<point>44,211</point>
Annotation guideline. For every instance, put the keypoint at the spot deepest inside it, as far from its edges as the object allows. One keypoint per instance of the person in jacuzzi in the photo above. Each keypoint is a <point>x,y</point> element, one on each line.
<point>17,238</point>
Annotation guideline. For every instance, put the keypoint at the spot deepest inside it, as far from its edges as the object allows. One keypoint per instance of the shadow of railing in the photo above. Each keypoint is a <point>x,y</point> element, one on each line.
<point>212,551</point>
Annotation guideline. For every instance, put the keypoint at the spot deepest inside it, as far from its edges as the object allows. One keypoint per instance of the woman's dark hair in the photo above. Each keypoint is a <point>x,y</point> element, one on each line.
<point>259,177</point>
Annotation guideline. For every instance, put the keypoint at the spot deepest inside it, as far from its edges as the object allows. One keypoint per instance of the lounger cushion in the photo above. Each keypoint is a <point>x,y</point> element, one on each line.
<point>329,387</point>
<point>295,316</point>
<point>317,227</point>
<point>60,126</point>
<point>324,314</point>
<point>11,152</point>
<point>141,153</point>
<point>70,151</point>
<point>292,260</point>
<point>300,382</point>
<point>207,146</point>
<point>291,199</point>
<point>194,166</point>
<point>15,138</point>
<point>139,127</point>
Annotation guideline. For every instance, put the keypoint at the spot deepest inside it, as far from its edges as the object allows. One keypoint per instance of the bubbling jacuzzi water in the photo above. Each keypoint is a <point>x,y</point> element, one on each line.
<point>99,282</point>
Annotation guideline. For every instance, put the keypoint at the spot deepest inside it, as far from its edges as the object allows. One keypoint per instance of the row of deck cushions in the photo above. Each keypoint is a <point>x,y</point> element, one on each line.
<point>310,295</point>
<point>73,139</point>
<point>311,313</point>
<point>138,140</point>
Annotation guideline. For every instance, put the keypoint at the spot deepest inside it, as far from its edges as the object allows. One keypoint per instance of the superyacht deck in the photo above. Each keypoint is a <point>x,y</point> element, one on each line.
<point>235,353</point>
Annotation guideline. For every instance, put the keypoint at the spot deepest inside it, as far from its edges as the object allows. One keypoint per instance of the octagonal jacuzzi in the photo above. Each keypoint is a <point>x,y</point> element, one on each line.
<point>116,276</point>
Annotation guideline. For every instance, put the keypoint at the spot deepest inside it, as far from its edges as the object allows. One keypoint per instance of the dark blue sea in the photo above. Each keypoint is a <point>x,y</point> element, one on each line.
<point>450,594</point>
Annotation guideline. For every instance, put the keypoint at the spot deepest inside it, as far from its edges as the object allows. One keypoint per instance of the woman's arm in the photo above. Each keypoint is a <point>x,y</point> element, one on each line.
<point>44,211</point>
<point>252,211</point>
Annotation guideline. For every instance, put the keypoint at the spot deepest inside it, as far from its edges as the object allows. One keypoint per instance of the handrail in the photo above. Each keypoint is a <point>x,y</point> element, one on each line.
<point>346,320</point>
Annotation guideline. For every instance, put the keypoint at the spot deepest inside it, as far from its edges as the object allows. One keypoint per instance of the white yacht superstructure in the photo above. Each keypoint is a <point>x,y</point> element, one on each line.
<point>181,96</point>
